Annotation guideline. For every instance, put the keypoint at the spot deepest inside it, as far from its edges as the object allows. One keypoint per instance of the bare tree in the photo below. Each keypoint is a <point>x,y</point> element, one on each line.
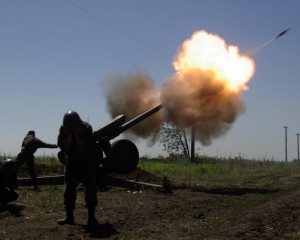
<point>174,140</point>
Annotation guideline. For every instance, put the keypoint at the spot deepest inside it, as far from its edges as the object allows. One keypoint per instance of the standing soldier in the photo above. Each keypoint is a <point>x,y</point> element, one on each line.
<point>76,140</point>
<point>29,146</point>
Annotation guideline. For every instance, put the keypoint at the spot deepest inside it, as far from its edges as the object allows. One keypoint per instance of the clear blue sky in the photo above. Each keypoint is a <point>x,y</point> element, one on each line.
<point>55,54</point>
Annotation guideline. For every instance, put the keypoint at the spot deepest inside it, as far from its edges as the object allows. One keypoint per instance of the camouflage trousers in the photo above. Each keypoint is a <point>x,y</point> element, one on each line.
<point>28,158</point>
<point>80,170</point>
<point>7,196</point>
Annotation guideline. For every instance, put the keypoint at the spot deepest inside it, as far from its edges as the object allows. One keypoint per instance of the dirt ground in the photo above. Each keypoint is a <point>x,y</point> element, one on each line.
<point>189,213</point>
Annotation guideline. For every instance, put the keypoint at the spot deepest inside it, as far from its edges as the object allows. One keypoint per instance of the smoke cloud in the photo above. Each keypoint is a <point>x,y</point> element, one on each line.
<point>132,94</point>
<point>197,99</point>
<point>204,93</point>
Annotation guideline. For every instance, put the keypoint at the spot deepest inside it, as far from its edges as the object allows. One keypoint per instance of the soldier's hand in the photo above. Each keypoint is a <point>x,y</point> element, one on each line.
<point>68,132</point>
<point>77,131</point>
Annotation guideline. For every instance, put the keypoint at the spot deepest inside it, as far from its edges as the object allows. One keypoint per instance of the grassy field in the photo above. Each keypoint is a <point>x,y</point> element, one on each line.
<point>211,194</point>
<point>224,172</point>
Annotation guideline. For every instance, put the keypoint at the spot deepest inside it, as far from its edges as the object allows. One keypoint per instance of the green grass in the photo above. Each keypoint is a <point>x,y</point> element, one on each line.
<point>51,199</point>
<point>292,235</point>
<point>226,172</point>
<point>239,205</point>
<point>50,160</point>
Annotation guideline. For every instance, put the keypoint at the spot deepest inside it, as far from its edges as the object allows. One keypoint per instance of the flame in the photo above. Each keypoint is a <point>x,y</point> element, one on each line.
<point>205,91</point>
<point>210,52</point>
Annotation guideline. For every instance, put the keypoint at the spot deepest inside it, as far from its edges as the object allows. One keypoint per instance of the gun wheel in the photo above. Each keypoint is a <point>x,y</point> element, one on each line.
<point>124,156</point>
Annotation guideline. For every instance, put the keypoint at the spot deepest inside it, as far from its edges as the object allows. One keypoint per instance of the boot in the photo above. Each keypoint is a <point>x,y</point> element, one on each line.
<point>68,219</point>
<point>35,185</point>
<point>92,221</point>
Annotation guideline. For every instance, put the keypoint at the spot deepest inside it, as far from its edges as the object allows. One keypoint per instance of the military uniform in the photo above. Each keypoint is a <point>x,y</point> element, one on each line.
<point>29,146</point>
<point>79,166</point>
<point>7,186</point>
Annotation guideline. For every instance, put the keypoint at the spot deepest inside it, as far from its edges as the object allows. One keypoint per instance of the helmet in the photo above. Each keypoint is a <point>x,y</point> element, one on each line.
<point>31,133</point>
<point>71,120</point>
<point>7,168</point>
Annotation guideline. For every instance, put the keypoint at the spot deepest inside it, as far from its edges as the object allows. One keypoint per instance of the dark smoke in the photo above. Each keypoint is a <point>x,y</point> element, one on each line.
<point>131,94</point>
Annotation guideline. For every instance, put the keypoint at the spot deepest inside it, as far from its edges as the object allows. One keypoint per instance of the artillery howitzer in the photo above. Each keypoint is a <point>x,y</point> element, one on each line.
<point>121,157</point>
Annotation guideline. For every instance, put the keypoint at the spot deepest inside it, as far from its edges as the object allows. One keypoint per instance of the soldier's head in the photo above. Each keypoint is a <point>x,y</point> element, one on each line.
<point>7,168</point>
<point>71,121</point>
<point>32,133</point>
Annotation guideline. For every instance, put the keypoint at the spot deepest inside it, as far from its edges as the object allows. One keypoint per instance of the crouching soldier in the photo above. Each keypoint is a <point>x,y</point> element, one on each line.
<point>29,146</point>
<point>76,140</point>
<point>8,182</point>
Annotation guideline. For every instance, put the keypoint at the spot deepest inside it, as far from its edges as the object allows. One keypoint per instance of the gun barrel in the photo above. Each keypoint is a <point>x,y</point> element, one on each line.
<point>116,126</point>
<point>139,118</point>
<point>110,129</point>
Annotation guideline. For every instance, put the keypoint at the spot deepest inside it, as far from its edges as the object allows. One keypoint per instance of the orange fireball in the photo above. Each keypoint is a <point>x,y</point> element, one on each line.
<point>210,52</point>
<point>205,93</point>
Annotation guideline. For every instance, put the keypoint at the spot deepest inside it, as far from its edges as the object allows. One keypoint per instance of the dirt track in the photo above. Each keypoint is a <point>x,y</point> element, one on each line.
<point>188,214</point>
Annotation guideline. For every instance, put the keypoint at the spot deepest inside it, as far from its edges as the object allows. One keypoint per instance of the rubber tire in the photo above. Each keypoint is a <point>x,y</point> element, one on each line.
<point>124,156</point>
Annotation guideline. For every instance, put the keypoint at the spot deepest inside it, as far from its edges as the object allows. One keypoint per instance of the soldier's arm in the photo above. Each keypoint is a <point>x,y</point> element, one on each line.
<point>49,145</point>
<point>64,140</point>
<point>41,144</point>
<point>80,141</point>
